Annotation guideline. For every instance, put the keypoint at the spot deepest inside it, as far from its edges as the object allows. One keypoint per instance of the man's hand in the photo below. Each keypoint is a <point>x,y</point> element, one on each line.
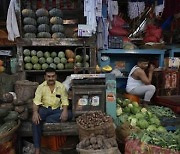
<point>151,68</point>
<point>36,117</point>
<point>64,115</point>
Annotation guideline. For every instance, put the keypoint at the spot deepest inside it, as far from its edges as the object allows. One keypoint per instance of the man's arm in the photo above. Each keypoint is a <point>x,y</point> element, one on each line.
<point>143,77</point>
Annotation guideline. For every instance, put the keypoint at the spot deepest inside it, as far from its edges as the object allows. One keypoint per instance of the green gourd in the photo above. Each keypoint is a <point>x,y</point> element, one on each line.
<point>28,13</point>
<point>57,28</point>
<point>29,29</point>
<point>55,12</point>
<point>42,12</point>
<point>12,115</point>
<point>29,35</point>
<point>43,20</point>
<point>29,21</point>
<point>56,20</point>
<point>44,35</point>
<point>57,35</point>
<point>43,28</point>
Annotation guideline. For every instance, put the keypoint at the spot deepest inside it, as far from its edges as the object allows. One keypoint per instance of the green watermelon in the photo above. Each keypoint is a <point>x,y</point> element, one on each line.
<point>86,64</point>
<point>27,59</point>
<point>49,60</point>
<point>42,60</point>
<point>28,66</point>
<point>87,57</point>
<point>57,60</point>
<point>53,54</point>
<point>33,52</point>
<point>39,54</point>
<point>78,58</point>
<point>52,65</point>
<point>44,66</point>
<point>60,66</point>
<point>78,64</point>
<point>26,52</point>
<point>47,54</point>
<point>61,54</point>
<point>34,59</point>
<point>63,60</point>
<point>37,66</point>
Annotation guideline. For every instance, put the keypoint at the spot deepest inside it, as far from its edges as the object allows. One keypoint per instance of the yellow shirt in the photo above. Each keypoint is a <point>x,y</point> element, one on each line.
<point>44,97</point>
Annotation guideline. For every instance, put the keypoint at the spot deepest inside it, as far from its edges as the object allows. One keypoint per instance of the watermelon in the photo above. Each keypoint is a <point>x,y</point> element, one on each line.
<point>86,64</point>
<point>27,59</point>
<point>26,52</point>
<point>37,66</point>
<point>57,60</point>
<point>60,66</point>
<point>63,60</point>
<point>53,54</point>
<point>44,66</point>
<point>47,54</point>
<point>33,52</point>
<point>42,60</point>
<point>78,58</point>
<point>28,66</point>
<point>78,64</point>
<point>34,59</point>
<point>87,57</point>
<point>61,54</point>
<point>52,65</point>
<point>39,54</point>
<point>69,66</point>
<point>49,60</point>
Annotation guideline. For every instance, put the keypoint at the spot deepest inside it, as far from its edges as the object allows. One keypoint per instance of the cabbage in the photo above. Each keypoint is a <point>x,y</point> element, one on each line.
<point>143,124</point>
<point>119,111</point>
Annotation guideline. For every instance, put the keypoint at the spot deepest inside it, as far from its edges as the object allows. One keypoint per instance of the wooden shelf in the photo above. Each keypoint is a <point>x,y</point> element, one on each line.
<point>55,42</point>
<point>42,71</point>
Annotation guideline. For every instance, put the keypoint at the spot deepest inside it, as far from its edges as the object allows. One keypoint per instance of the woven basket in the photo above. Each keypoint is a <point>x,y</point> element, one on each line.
<point>8,135</point>
<point>104,151</point>
<point>107,130</point>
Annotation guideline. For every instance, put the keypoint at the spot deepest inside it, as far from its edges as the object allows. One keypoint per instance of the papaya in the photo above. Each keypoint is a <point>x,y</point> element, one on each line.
<point>1,62</point>
<point>71,60</point>
<point>69,53</point>
<point>13,115</point>
<point>6,127</point>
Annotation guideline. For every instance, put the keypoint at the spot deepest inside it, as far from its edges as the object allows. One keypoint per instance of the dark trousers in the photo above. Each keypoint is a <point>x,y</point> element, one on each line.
<point>49,116</point>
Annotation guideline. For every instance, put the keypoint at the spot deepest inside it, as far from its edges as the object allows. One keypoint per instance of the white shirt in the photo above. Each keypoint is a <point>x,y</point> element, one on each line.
<point>131,82</point>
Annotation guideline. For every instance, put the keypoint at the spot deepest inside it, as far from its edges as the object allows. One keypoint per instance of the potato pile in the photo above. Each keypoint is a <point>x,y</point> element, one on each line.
<point>93,119</point>
<point>97,142</point>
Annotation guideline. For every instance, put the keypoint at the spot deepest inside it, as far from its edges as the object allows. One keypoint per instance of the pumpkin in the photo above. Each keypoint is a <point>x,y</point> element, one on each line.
<point>42,12</point>
<point>57,28</point>
<point>44,35</point>
<point>55,12</point>
<point>56,20</point>
<point>43,28</point>
<point>28,13</point>
<point>29,35</point>
<point>29,21</point>
<point>29,29</point>
<point>71,60</point>
<point>43,20</point>
<point>69,53</point>
<point>57,35</point>
<point>132,97</point>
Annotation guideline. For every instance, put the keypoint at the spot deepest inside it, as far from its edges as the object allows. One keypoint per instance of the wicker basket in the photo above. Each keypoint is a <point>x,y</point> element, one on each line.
<point>9,135</point>
<point>104,151</point>
<point>107,130</point>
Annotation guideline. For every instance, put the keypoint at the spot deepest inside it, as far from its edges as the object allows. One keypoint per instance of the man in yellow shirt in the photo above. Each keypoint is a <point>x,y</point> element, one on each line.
<point>49,105</point>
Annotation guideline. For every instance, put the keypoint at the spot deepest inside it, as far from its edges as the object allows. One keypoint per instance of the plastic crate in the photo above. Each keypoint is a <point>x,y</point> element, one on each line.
<point>115,42</point>
<point>53,142</point>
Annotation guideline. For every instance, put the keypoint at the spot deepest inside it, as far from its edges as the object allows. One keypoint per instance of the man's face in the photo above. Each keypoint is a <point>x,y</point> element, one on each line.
<point>50,77</point>
<point>143,65</point>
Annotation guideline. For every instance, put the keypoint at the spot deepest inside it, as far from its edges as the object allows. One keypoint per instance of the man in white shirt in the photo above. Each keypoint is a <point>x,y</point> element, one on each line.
<point>139,83</point>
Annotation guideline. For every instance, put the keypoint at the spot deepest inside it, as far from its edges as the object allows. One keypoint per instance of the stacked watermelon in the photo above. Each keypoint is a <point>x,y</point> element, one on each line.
<point>39,60</point>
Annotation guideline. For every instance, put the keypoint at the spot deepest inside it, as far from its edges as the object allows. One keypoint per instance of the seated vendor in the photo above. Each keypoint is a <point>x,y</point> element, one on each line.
<point>139,82</point>
<point>49,105</point>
